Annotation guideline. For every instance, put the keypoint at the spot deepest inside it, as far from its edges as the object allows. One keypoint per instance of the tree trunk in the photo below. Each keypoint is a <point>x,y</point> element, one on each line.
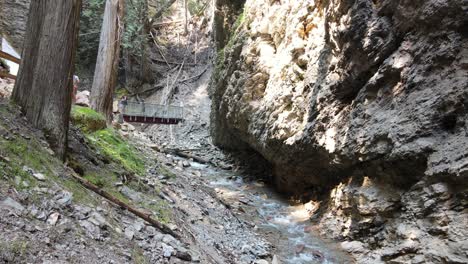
<point>105,75</point>
<point>44,85</point>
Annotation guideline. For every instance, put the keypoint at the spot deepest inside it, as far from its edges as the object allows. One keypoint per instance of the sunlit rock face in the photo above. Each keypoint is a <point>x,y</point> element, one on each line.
<point>364,103</point>
<point>322,88</point>
<point>13,19</point>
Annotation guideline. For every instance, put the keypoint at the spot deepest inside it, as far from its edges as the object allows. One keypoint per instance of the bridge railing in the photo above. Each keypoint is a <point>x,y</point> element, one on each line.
<point>153,110</point>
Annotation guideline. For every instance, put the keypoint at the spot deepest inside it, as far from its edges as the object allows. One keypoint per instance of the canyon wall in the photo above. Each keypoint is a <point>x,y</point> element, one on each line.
<point>364,105</point>
<point>13,19</point>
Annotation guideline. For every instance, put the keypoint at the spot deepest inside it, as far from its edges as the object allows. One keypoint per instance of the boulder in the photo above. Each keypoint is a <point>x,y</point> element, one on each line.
<point>82,98</point>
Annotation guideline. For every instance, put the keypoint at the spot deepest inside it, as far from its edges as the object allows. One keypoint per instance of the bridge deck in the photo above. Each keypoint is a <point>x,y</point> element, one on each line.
<point>153,113</point>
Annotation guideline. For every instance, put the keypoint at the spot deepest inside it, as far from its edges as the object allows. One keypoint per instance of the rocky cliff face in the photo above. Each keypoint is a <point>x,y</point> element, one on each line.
<point>363,103</point>
<point>13,19</point>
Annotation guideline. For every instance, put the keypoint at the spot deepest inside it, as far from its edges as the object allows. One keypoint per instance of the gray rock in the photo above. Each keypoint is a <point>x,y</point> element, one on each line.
<point>129,233</point>
<point>131,194</point>
<point>11,204</point>
<point>167,250</point>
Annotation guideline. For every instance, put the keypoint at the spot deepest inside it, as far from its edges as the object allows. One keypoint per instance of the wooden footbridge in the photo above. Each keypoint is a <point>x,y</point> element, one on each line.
<point>133,112</point>
<point>139,112</point>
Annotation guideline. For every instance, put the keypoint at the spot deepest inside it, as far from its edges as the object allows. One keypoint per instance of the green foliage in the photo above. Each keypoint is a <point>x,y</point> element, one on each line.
<point>116,148</point>
<point>134,36</point>
<point>87,119</point>
<point>90,29</point>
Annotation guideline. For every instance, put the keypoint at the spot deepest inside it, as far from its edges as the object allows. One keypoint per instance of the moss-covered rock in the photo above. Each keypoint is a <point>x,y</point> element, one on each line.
<point>112,145</point>
<point>87,119</point>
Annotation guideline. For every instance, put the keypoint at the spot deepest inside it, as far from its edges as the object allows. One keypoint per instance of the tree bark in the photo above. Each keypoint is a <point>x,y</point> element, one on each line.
<point>44,85</point>
<point>105,75</point>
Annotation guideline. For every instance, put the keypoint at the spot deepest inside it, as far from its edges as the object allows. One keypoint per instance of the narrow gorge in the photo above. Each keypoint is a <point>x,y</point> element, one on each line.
<point>361,107</point>
<point>312,131</point>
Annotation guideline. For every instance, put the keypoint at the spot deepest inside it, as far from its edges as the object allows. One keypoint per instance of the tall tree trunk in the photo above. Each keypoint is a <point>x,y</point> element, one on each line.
<point>105,75</point>
<point>44,85</point>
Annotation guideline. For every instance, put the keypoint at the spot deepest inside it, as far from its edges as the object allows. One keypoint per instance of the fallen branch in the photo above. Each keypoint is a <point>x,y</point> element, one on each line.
<point>175,63</point>
<point>187,156</point>
<point>147,217</point>
<point>159,48</point>
<point>171,89</point>
<point>196,77</point>
<point>155,88</point>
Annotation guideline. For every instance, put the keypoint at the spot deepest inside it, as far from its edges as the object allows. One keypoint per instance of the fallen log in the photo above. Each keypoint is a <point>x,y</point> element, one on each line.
<point>187,156</point>
<point>163,228</point>
<point>175,63</point>
<point>196,77</point>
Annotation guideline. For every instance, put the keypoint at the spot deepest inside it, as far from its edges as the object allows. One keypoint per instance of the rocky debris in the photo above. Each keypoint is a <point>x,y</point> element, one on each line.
<point>6,88</point>
<point>82,98</point>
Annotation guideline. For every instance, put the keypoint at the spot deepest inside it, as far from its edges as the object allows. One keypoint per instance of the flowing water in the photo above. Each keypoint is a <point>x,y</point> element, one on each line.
<point>286,226</point>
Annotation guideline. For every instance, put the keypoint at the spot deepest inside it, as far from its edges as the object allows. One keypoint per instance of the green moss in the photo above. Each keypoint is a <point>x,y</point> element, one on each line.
<point>116,148</point>
<point>87,119</point>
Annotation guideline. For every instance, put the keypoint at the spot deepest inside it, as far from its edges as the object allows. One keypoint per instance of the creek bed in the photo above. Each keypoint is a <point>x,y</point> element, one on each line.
<point>287,227</point>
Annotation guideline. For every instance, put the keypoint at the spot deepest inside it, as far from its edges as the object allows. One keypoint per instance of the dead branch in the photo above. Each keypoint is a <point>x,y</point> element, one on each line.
<point>171,89</point>
<point>175,63</point>
<point>196,77</point>
<point>147,217</point>
<point>159,48</point>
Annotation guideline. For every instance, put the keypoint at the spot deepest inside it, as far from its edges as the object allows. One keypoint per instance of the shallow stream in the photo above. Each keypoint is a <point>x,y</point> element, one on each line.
<point>287,227</point>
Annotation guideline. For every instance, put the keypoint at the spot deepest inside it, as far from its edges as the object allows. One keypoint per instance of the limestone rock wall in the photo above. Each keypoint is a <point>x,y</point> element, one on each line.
<point>362,103</point>
<point>13,20</point>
